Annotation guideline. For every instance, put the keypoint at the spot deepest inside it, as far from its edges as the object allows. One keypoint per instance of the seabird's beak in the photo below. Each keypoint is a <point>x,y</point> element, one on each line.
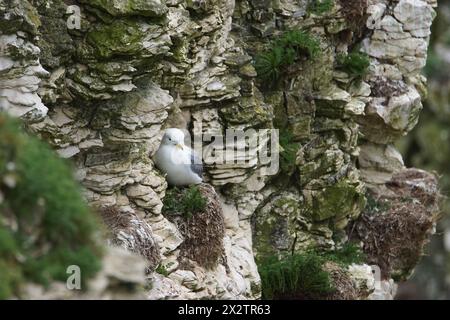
<point>179,146</point>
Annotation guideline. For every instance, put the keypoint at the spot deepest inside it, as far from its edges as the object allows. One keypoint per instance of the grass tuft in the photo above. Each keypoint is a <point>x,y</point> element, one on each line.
<point>298,276</point>
<point>186,201</point>
<point>303,275</point>
<point>356,64</point>
<point>293,45</point>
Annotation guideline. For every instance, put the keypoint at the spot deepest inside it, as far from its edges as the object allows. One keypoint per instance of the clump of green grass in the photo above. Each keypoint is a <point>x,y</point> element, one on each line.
<point>285,51</point>
<point>297,276</point>
<point>186,201</point>
<point>45,224</point>
<point>269,64</point>
<point>302,275</point>
<point>356,63</point>
<point>320,7</point>
<point>288,153</point>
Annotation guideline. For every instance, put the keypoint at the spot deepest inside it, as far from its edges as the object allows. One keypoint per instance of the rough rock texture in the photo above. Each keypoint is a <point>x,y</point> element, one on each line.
<point>101,94</point>
<point>130,232</point>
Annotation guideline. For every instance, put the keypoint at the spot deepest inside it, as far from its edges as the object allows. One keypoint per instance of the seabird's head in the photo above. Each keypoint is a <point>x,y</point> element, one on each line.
<point>173,136</point>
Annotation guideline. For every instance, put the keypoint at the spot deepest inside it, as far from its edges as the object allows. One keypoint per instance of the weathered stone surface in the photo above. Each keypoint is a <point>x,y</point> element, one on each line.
<point>128,231</point>
<point>131,7</point>
<point>135,67</point>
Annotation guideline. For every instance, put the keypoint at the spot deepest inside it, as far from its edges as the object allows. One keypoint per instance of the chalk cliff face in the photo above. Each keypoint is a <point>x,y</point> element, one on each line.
<point>102,93</point>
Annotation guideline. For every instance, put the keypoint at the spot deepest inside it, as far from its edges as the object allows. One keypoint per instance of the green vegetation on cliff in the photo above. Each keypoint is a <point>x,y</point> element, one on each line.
<point>284,53</point>
<point>45,224</point>
<point>297,276</point>
<point>356,63</point>
<point>304,275</point>
<point>187,201</point>
<point>288,153</point>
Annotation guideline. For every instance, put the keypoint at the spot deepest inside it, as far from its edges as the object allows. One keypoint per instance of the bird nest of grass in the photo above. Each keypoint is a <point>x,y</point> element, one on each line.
<point>354,10</point>
<point>398,221</point>
<point>197,213</point>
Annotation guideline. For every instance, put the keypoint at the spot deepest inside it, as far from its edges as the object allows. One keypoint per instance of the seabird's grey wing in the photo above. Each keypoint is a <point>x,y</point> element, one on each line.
<point>196,164</point>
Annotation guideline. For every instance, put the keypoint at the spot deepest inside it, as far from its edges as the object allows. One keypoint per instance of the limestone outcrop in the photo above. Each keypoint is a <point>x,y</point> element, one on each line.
<point>102,93</point>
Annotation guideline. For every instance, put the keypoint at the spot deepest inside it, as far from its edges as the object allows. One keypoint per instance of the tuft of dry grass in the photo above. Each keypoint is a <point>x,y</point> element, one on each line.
<point>354,10</point>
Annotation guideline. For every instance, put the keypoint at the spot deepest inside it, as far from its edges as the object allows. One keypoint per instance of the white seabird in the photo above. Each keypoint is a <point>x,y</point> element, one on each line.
<point>180,163</point>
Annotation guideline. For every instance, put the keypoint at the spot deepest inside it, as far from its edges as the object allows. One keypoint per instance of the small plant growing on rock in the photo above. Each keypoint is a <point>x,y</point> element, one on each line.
<point>300,276</point>
<point>161,269</point>
<point>187,201</point>
<point>356,64</point>
<point>306,275</point>
<point>269,64</point>
<point>285,52</point>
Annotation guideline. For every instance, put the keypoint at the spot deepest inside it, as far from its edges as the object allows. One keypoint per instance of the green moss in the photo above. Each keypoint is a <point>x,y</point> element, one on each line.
<point>186,201</point>
<point>275,230</point>
<point>162,270</point>
<point>180,49</point>
<point>119,38</point>
<point>287,50</point>
<point>55,227</point>
<point>339,200</point>
<point>297,276</point>
<point>356,63</point>
<point>320,7</point>
<point>248,110</point>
